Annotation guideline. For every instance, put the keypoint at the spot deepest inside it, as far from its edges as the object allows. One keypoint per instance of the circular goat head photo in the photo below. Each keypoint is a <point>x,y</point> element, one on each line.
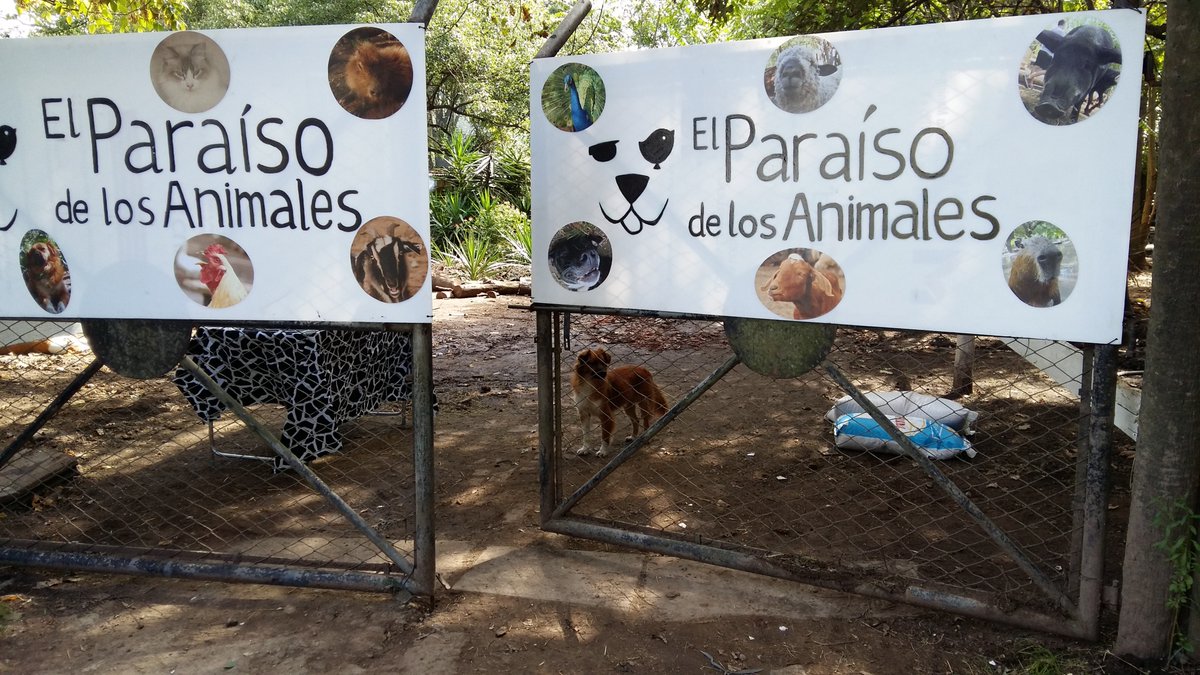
<point>800,283</point>
<point>389,259</point>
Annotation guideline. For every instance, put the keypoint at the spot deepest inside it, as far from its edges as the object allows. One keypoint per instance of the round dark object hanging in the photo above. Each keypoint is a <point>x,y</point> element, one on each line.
<point>139,348</point>
<point>779,349</point>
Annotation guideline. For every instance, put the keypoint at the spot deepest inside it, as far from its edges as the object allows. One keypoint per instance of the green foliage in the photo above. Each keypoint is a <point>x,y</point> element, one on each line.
<point>1178,524</point>
<point>1036,659</point>
<point>474,255</point>
<point>61,17</point>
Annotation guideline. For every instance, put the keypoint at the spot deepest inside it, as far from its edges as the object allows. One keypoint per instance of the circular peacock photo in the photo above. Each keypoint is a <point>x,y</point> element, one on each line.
<point>573,97</point>
<point>213,271</point>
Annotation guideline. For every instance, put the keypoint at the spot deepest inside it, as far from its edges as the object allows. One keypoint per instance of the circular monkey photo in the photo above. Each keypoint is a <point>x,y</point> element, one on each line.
<point>1040,264</point>
<point>45,271</point>
<point>1069,71</point>
<point>213,271</point>
<point>370,73</point>
<point>580,256</point>
<point>389,259</point>
<point>573,97</point>
<point>189,71</point>
<point>800,283</point>
<point>802,74</point>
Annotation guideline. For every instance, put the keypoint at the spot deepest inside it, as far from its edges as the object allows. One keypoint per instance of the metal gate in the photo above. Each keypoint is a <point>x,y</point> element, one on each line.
<point>742,471</point>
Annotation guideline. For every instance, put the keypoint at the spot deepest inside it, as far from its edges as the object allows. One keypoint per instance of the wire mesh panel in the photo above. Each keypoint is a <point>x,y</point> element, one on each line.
<point>128,469</point>
<point>752,466</point>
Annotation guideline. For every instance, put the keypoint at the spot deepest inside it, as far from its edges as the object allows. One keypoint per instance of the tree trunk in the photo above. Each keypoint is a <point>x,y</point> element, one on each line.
<point>1165,468</point>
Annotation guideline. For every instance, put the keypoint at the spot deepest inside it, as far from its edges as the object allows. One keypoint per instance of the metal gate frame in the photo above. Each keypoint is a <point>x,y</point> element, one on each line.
<point>1077,618</point>
<point>416,576</point>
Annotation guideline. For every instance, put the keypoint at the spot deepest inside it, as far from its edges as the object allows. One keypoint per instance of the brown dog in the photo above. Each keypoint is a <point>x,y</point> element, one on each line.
<point>46,277</point>
<point>600,391</point>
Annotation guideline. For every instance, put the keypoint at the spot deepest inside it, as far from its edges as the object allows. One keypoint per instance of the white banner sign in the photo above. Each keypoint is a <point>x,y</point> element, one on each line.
<point>265,174</point>
<point>969,177</point>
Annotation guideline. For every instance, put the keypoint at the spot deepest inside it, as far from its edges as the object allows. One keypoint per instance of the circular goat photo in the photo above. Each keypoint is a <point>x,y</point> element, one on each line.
<point>573,97</point>
<point>370,73</point>
<point>1040,264</point>
<point>803,74</point>
<point>213,271</point>
<point>580,256</point>
<point>45,271</point>
<point>189,71</point>
<point>1069,71</point>
<point>389,259</point>
<point>800,283</point>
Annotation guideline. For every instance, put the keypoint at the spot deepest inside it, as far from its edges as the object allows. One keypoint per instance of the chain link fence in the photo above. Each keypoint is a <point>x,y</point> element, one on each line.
<point>749,475</point>
<point>126,475</point>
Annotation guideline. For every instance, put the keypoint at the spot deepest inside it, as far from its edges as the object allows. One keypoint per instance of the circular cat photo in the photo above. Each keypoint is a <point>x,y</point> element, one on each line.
<point>1040,264</point>
<point>580,256</point>
<point>213,271</point>
<point>573,97</point>
<point>189,71</point>
<point>370,73</point>
<point>802,74</point>
<point>800,283</point>
<point>1069,71</point>
<point>389,259</point>
<point>45,271</point>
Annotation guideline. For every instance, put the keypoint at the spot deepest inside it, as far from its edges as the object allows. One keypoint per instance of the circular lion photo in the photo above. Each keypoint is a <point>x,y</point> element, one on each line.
<point>800,283</point>
<point>1040,264</point>
<point>573,97</point>
<point>1069,71</point>
<point>370,73</point>
<point>213,271</point>
<point>389,259</point>
<point>189,71</point>
<point>45,271</point>
<point>580,256</point>
<point>803,74</point>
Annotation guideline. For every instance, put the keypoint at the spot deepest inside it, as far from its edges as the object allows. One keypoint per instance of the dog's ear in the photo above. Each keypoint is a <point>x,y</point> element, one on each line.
<point>605,357</point>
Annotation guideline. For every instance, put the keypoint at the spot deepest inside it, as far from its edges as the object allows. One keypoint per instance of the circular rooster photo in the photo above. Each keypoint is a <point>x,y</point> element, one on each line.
<point>213,271</point>
<point>389,259</point>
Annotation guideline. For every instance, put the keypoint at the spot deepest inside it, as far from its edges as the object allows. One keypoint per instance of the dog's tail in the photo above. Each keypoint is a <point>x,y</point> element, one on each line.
<point>654,396</point>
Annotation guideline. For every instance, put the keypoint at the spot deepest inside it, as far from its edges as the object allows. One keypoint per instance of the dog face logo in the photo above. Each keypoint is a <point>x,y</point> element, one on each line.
<point>655,150</point>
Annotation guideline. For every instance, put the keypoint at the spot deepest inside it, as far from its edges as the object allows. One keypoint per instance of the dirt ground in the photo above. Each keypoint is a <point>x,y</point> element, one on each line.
<point>515,598</point>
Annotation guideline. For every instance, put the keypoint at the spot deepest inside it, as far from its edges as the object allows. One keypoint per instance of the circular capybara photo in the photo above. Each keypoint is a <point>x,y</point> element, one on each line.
<point>189,71</point>
<point>45,271</point>
<point>213,271</point>
<point>370,73</point>
<point>389,259</point>
<point>800,283</point>
<point>1069,70</point>
<point>802,74</point>
<point>580,256</point>
<point>1040,264</point>
<point>573,97</point>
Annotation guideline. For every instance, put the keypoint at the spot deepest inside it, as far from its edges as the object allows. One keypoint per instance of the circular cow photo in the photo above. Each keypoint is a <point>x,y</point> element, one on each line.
<point>1040,264</point>
<point>189,71</point>
<point>213,271</point>
<point>45,271</point>
<point>580,256</point>
<point>389,259</point>
<point>370,73</point>
<point>1069,71</point>
<point>573,97</point>
<point>802,74</point>
<point>800,283</point>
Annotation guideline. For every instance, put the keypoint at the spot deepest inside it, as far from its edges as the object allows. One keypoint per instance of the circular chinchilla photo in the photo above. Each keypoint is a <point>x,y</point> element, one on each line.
<point>45,271</point>
<point>573,97</point>
<point>389,259</point>
<point>580,256</point>
<point>1069,71</point>
<point>213,271</point>
<point>800,283</point>
<point>1040,264</point>
<point>803,74</point>
<point>370,73</point>
<point>189,71</point>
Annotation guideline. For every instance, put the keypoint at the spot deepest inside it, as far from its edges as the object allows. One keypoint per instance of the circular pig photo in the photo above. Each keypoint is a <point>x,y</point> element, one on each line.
<point>580,256</point>
<point>800,283</point>
<point>189,71</point>
<point>1069,71</point>
<point>370,73</point>
<point>213,271</point>
<point>573,97</point>
<point>1040,264</point>
<point>45,271</point>
<point>389,259</point>
<point>802,74</point>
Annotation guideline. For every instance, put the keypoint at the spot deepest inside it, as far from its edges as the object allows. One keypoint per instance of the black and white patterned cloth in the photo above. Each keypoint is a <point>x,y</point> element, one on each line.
<point>322,377</point>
